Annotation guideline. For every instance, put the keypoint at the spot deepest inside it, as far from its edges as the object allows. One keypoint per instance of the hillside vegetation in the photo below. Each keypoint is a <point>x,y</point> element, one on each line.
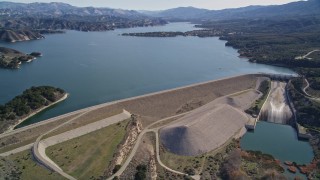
<point>31,100</point>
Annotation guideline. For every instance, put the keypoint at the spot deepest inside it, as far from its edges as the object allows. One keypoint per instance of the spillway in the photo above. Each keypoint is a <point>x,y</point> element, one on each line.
<point>276,108</point>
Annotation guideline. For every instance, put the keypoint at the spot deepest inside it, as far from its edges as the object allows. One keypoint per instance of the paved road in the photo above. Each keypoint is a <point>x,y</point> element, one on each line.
<point>85,129</point>
<point>40,155</point>
<point>41,145</point>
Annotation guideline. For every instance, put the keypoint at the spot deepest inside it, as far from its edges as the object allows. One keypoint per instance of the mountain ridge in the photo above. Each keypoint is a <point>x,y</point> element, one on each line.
<point>60,9</point>
<point>309,7</point>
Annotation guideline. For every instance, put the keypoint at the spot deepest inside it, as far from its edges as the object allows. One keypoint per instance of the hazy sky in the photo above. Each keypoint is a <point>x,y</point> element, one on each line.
<point>164,4</point>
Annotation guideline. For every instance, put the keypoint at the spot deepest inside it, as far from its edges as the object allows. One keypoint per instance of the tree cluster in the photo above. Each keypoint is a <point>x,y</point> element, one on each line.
<point>30,100</point>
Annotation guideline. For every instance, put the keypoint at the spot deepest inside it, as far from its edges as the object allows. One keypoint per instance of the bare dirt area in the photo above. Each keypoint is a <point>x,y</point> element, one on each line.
<point>208,127</point>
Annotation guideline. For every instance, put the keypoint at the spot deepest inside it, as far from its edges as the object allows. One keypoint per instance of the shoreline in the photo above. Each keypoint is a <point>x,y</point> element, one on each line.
<point>11,128</point>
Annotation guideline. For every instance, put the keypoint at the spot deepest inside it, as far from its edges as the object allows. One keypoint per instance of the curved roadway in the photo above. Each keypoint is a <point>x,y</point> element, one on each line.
<point>39,146</point>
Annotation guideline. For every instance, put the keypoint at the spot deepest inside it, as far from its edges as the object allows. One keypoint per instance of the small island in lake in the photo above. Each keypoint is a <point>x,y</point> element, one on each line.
<point>10,58</point>
<point>29,103</point>
<point>198,33</point>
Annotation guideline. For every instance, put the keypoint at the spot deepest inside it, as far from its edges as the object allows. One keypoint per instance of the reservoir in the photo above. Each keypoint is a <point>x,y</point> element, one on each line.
<point>98,67</point>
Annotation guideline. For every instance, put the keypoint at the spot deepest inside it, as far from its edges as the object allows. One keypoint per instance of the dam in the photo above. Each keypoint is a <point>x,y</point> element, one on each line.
<point>276,108</point>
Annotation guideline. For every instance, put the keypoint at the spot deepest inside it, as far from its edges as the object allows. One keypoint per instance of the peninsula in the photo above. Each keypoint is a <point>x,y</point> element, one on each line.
<point>198,33</point>
<point>12,59</point>
<point>29,103</point>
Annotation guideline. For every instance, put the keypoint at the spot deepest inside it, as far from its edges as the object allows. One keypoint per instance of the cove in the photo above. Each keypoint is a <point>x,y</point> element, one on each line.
<point>99,67</point>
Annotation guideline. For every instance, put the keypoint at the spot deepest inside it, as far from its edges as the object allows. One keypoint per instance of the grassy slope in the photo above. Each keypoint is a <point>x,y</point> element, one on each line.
<point>89,155</point>
<point>30,169</point>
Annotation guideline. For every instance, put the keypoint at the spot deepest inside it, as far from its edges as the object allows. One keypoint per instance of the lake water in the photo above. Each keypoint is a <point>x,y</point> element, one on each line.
<point>98,67</point>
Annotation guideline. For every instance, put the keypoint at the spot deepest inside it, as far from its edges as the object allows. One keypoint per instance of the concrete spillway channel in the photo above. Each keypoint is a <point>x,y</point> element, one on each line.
<point>276,108</point>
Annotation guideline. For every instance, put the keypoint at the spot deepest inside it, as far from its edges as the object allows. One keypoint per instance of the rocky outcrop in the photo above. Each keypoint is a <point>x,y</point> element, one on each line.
<point>133,134</point>
<point>133,130</point>
<point>19,35</point>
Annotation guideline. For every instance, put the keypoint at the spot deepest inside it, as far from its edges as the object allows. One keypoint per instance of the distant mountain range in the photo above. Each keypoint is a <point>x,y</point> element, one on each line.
<point>300,8</point>
<point>62,9</point>
<point>33,17</point>
<point>20,22</point>
<point>54,9</point>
